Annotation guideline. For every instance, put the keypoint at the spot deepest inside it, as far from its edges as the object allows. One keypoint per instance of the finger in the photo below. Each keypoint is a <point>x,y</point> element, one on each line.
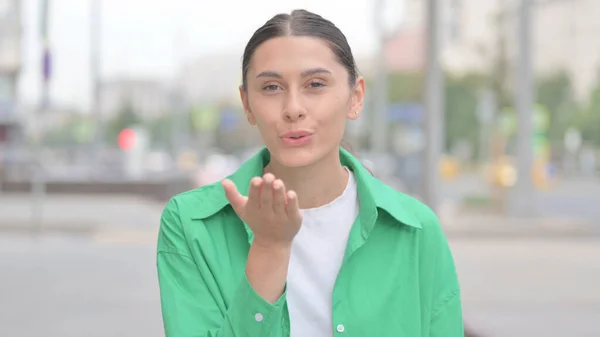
<point>266,192</point>
<point>293,207</point>
<point>279,197</point>
<point>234,197</point>
<point>254,192</point>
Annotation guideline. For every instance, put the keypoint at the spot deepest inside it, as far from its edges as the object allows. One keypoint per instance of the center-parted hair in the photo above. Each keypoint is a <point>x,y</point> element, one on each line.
<point>302,23</point>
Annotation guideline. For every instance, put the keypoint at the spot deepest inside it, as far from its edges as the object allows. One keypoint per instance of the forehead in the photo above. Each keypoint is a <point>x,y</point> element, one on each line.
<point>290,54</point>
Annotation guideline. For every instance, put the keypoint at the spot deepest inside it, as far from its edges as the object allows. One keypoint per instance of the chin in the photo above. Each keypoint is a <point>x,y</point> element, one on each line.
<point>294,158</point>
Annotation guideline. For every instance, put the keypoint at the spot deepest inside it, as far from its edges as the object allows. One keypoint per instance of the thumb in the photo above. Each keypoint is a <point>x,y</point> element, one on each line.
<point>237,201</point>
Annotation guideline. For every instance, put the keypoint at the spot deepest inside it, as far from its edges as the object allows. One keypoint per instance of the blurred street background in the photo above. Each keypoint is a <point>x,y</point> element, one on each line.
<point>487,110</point>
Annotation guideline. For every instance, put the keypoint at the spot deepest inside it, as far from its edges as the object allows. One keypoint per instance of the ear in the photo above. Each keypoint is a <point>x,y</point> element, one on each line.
<point>357,99</point>
<point>246,104</point>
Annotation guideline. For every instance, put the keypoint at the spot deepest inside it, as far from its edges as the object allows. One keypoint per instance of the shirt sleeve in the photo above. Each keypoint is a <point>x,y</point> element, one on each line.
<point>191,302</point>
<point>446,318</point>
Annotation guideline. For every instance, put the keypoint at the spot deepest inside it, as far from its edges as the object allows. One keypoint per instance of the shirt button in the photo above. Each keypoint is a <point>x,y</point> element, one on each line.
<point>340,328</point>
<point>258,317</point>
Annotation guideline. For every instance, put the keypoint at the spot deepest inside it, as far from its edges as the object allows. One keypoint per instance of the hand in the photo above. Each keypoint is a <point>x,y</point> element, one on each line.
<point>270,211</point>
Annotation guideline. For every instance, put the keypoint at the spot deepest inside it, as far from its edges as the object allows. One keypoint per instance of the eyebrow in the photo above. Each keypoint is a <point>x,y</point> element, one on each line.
<point>308,72</point>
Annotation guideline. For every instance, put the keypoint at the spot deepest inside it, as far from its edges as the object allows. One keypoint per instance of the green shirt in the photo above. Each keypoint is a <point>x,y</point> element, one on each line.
<point>397,279</point>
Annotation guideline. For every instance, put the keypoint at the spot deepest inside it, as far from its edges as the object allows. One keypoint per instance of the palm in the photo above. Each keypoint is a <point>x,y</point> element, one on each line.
<point>271,212</point>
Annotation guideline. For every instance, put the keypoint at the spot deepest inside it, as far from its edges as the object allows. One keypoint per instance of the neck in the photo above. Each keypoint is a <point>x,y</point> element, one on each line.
<point>315,185</point>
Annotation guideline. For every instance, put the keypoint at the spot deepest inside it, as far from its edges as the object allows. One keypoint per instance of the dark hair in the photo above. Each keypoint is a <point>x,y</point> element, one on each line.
<point>302,23</point>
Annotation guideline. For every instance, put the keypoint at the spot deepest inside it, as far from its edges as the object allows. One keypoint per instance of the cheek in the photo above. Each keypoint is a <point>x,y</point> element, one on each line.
<point>265,111</point>
<point>333,112</point>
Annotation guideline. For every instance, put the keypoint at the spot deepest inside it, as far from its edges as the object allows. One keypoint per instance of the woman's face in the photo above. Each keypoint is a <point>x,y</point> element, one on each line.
<point>299,98</point>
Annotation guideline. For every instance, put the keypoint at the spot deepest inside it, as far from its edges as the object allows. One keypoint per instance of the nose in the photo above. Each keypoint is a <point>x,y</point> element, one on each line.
<point>294,109</point>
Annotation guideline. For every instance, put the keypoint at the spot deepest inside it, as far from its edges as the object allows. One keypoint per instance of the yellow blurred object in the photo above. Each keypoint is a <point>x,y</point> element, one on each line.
<point>449,168</point>
<point>502,173</point>
<point>187,161</point>
<point>540,177</point>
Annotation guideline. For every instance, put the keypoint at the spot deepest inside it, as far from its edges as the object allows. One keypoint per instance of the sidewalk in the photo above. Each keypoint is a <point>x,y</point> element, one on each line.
<point>114,217</point>
<point>81,214</point>
<point>494,225</point>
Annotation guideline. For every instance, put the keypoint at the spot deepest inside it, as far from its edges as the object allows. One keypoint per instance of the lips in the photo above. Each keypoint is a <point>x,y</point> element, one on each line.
<point>296,134</point>
<point>296,138</point>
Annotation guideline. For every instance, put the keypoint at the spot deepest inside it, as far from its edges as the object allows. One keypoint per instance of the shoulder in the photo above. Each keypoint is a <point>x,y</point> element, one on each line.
<point>431,234</point>
<point>408,210</point>
<point>424,214</point>
<point>198,203</point>
<point>183,214</point>
<point>404,208</point>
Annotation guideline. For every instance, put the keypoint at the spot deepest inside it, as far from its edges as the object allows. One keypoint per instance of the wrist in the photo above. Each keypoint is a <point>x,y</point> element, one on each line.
<point>271,246</point>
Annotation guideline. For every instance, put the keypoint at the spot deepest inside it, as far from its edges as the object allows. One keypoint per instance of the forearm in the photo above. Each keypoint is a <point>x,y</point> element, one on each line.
<point>267,269</point>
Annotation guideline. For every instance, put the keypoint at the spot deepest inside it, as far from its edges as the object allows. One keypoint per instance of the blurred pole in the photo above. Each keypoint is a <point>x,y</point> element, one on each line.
<point>434,105</point>
<point>486,112</point>
<point>179,124</point>
<point>379,134</point>
<point>522,200</point>
<point>177,115</point>
<point>96,109</point>
<point>38,183</point>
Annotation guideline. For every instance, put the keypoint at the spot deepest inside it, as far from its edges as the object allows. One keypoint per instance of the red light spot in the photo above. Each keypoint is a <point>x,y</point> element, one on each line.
<point>127,139</point>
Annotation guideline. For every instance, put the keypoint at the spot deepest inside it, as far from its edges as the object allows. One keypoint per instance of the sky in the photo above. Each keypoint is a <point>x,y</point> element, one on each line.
<point>150,38</point>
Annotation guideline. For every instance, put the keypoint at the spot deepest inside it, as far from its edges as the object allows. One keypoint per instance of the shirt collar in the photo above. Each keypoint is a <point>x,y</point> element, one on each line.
<point>373,194</point>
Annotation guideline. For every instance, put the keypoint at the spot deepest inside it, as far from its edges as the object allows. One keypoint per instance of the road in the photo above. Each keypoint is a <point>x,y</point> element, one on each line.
<point>73,286</point>
<point>524,288</point>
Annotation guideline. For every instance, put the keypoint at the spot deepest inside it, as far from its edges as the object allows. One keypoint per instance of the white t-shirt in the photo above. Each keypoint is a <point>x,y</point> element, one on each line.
<point>317,253</point>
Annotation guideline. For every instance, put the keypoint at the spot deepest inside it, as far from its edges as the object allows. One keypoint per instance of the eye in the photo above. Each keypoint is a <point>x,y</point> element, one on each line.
<point>316,84</point>
<point>271,87</point>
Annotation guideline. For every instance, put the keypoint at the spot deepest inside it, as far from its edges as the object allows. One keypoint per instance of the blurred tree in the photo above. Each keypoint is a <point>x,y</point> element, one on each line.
<point>58,137</point>
<point>554,91</point>
<point>405,86</point>
<point>500,67</point>
<point>588,119</point>
<point>73,131</point>
<point>461,123</point>
<point>161,131</point>
<point>125,118</point>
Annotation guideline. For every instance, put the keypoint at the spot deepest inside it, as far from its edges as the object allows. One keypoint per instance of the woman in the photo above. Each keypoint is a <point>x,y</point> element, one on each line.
<point>302,241</point>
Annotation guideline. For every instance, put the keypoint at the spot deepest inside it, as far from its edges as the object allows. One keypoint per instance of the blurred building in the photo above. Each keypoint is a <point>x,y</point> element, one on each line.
<point>566,34</point>
<point>212,78</point>
<point>10,66</point>
<point>406,51</point>
<point>564,37</point>
<point>461,34</point>
<point>149,98</point>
